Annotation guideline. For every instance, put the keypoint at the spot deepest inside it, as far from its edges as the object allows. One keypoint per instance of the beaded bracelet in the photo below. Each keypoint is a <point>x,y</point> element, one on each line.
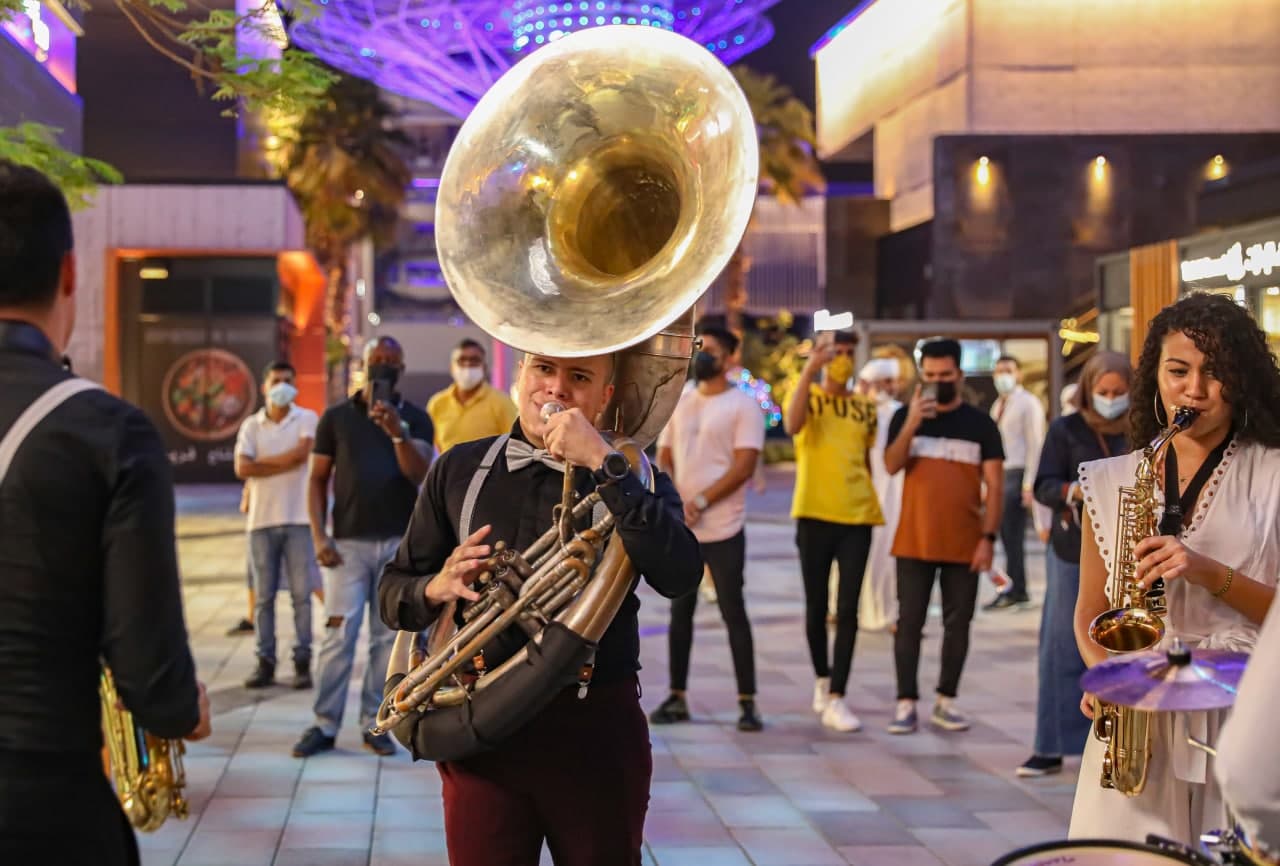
<point>1231,573</point>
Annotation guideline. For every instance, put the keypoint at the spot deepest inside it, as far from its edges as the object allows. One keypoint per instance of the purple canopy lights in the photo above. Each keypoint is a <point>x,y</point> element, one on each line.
<point>449,52</point>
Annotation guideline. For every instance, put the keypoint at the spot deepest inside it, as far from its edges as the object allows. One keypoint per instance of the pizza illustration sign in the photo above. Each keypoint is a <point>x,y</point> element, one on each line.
<point>207,394</point>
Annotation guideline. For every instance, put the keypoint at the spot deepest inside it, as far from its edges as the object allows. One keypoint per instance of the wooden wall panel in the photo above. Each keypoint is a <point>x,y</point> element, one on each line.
<point>1153,285</point>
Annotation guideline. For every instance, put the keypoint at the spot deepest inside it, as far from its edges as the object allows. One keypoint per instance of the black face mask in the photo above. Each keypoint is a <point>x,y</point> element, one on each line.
<point>384,372</point>
<point>946,392</point>
<point>705,366</point>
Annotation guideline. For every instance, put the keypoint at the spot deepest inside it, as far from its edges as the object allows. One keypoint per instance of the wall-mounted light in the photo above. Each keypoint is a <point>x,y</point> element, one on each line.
<point>1272,291</point>
<point>1217,168</point>
<point>375,319</point>
<point>154,272</point>
<point>982,173</point>
<point>360,288</point>
<point>1100,169</point>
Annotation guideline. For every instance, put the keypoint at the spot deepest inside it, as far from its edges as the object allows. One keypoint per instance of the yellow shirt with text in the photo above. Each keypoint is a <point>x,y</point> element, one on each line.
<point>833,482</point>
<point>488,413</point>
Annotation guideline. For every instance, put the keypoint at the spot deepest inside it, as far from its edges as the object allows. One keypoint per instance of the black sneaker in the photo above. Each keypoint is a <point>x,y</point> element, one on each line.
<point>1007,601</point>
<point>242,627</point>
<point>302,675</point>
<point>263,677</point>
<point>750,719</point>
<point>313,742</point>
<point>1039,765</point>
<point>673,709</point>
<point>379,744</point>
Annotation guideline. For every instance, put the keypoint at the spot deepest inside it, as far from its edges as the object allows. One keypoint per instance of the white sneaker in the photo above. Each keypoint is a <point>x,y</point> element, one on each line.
<point>821,693</point>
<point>838,717</point>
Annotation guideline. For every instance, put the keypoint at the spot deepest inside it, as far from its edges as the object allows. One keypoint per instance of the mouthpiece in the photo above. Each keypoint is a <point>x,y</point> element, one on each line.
<point>549,409</point>
<point>1184,417</point>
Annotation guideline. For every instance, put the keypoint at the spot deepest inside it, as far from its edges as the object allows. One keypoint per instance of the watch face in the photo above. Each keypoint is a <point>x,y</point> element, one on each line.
<point>616,465</point>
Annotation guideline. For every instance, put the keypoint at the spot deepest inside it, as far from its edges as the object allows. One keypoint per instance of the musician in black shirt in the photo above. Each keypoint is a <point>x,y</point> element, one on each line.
<point>88,566</point>
<point>577,775</point>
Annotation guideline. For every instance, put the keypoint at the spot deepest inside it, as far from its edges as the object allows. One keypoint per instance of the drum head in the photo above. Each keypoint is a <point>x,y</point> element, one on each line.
<point>1097,852</point>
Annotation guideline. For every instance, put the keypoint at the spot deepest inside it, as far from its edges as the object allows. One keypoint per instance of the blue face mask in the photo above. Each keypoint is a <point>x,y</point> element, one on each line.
<point>281,394</point>
<point>1110,408</point>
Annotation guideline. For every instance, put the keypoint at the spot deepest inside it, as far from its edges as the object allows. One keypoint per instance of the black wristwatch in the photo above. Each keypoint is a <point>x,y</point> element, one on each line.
<point>989,536</point>
<point>615,467</point>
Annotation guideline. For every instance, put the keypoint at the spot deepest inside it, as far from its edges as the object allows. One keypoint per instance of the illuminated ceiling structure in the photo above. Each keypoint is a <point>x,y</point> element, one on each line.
<point>448,52</point>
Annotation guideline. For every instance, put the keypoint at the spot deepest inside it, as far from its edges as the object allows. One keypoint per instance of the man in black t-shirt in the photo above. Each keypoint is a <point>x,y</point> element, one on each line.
<point>954,463</point>
<point>377,448</point>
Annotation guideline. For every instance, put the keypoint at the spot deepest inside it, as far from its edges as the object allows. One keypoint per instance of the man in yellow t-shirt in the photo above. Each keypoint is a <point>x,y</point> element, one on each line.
<point>470,408</point>
<point>834,507</point>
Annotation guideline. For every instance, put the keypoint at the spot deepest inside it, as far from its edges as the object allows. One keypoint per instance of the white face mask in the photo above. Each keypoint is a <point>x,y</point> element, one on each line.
<point>1111,408</point>
<point>281,394</point>
<point>1005,382</point>
<point>467,378</point>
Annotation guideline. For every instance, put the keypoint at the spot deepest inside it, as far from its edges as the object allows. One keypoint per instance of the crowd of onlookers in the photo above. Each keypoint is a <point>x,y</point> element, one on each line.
<point>895,491</point>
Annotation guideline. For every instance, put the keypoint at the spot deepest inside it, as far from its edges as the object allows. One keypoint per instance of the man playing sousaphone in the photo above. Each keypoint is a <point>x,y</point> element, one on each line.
<point>588,201</point>
<point>578,774</point>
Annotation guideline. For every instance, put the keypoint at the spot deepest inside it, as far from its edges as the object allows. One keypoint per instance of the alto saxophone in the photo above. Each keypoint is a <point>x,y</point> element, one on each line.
<point>146,770</point>
<point>1135,621</point>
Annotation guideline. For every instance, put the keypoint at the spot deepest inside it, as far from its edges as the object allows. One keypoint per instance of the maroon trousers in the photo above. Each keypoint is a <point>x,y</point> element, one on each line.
<point>576,776</point>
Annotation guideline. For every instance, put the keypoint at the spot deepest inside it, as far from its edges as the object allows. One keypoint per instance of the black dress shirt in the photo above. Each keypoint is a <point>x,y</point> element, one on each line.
<point>88,565</point>
<point>518,507</point>
<point>372,498</point>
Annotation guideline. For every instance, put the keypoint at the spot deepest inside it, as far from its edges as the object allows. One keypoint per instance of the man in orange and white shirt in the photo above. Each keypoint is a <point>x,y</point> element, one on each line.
<point>951,497</point>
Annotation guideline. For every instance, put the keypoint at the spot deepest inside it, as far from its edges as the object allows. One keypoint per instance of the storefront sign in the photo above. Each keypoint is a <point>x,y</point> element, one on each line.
<point>1235,263</point>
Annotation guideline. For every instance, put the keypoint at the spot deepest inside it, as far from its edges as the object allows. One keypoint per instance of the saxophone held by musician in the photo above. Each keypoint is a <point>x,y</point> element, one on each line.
<point>1202,574</point>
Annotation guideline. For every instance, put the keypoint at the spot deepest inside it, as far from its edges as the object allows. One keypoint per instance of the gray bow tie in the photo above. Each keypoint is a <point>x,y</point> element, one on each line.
<point>521,454</point>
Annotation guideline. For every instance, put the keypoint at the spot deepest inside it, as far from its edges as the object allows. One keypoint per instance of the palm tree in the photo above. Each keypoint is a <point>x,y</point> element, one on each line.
<point>346,168</point>
<point>788,167</point>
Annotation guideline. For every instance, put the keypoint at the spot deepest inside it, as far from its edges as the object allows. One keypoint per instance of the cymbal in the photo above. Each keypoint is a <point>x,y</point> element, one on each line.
<point>1159,681</point>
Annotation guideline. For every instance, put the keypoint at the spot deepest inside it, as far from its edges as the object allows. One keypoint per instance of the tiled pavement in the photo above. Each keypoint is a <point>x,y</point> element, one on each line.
<point>794,794</point>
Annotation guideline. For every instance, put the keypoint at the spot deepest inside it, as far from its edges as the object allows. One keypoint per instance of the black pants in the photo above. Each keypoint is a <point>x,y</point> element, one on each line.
<point>1013,533</point>
<point>726,560</point>
<point>60,808</point>
<point>959,593</point>
<point>820,542</point>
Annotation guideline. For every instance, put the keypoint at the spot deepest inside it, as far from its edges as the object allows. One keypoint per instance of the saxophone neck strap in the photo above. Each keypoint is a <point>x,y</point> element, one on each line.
<point>1178,506</point>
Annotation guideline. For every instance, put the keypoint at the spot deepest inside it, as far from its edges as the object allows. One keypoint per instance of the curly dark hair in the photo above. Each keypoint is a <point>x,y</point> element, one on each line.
<point>1236,353</point>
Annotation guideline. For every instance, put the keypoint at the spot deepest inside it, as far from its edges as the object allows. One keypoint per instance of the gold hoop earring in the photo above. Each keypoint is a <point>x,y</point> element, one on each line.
<point>1155,405</point>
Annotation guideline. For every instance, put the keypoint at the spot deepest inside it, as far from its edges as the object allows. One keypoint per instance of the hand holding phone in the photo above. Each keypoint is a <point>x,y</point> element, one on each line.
<point>929,400</point>
<point>380,392</point>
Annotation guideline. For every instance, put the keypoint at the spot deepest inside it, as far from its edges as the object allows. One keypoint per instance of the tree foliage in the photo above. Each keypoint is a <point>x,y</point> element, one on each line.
<point>209,44</point>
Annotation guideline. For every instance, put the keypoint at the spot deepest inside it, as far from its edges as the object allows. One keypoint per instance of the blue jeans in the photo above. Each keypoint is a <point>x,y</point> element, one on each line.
<point>276,552</point>
<point>1061,729</point>
<point>350,590</point>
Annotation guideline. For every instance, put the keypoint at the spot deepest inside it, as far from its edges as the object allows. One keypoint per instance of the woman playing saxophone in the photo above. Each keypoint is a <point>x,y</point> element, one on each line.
<point>1218,559</point>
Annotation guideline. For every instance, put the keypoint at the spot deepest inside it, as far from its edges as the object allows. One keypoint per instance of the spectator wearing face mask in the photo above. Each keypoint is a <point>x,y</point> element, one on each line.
<point>1020,418</point>
<point>1098,427</point>
<point>470,408</point>
<point>834,507</point>
<point>878,610</point>
<point>270,457</point>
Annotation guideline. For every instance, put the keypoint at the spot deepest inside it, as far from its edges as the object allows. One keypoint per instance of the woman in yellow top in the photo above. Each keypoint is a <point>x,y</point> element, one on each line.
<point>834,507</point>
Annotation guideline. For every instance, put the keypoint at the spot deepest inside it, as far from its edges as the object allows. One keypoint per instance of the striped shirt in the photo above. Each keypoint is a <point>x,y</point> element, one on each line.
<point>941,517</point>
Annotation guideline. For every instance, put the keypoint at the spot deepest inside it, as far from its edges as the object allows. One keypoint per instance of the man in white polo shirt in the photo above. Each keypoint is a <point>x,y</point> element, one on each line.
<point>271,457</point>
<point>710,447</point>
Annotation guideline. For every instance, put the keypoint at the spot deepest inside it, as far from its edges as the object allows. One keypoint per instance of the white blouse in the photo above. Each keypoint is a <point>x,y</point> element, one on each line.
<point>1236,522</point>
